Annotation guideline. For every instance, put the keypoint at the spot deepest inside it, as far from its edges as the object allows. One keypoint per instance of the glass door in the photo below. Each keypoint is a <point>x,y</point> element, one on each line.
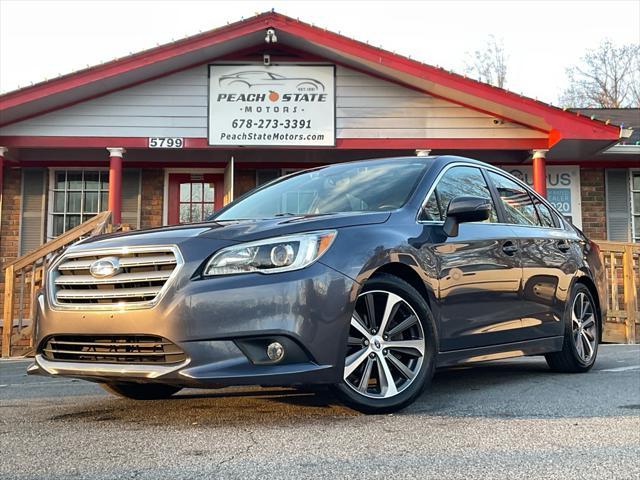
<point>193,197</point>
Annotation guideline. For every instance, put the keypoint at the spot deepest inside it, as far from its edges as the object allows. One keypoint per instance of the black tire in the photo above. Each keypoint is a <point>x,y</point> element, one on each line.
<point>569,359</point>
<point>140,391</point>
<point>422,378</point>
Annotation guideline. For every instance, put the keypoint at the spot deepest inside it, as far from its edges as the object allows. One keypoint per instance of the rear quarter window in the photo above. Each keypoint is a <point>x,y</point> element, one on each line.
<point>547,218</point>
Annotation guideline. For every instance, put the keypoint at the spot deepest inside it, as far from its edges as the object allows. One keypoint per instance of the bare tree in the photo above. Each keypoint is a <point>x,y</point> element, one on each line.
<point>488,64</point>
<point>606,77</point>
<point>635,80</point>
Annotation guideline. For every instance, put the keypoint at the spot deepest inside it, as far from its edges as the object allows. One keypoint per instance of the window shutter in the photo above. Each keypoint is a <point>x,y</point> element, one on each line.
<point>33,209</point>
<point>131,197</point>
<point>618,207</point>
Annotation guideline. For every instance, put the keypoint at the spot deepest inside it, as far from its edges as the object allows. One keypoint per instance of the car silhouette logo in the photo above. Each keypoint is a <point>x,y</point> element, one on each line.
<point>262,78</point>
<point>105,267</point>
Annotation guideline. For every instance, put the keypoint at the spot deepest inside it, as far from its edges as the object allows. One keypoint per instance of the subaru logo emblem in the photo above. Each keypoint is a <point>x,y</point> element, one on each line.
<point>105,267</point>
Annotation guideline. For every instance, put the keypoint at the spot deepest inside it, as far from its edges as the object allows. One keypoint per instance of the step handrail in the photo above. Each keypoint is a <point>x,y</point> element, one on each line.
<point>37,259</point>
<point>93,226</point>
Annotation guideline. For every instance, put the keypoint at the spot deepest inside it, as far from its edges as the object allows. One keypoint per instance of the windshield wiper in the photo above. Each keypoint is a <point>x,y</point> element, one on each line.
<point>286,214</point>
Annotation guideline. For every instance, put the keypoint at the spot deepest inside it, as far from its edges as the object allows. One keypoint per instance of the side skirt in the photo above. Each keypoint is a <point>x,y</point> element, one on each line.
<point>497,352</point>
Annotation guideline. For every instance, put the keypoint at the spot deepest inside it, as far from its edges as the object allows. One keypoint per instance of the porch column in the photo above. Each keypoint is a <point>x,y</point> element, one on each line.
<point>115,184</point>
<point>3,152</point>
<point>540,172</point>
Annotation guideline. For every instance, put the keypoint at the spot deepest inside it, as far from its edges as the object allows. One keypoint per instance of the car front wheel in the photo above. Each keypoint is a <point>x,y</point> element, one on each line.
<point>391,347</point>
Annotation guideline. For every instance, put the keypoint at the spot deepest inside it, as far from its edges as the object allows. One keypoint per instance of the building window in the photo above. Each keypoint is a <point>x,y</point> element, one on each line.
<point>75,197</point>
<point>635,205</point>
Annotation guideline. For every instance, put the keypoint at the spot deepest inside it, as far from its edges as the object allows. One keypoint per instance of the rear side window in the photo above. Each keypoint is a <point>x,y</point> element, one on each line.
<point>516,201</point>
<point>545,215</point>
<point>456,182</point>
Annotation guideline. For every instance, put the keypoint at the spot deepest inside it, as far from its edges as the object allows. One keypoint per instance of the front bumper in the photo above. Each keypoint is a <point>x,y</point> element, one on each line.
<point>209,319</point>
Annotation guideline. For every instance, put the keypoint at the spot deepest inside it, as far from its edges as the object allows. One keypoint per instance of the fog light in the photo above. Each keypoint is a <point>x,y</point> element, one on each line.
<point>275,351</point>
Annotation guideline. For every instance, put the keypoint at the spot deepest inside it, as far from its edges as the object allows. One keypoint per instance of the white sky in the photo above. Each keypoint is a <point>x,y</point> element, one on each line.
<point>42,39</point>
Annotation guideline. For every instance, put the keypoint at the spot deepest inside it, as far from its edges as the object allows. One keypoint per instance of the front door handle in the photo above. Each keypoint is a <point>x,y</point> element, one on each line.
<point>509,248</point>
<point>563,245</point>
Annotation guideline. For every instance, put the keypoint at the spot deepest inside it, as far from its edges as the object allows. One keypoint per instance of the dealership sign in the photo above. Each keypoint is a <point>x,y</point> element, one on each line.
<point>563,188</point>
<point>274,105</point>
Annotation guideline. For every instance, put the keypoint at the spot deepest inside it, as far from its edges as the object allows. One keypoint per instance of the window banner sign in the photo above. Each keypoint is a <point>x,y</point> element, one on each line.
<point>563,188</point>
<point>272,105</point>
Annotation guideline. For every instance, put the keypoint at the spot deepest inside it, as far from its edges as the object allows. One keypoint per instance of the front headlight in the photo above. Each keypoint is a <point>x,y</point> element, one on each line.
<point>272,255</point>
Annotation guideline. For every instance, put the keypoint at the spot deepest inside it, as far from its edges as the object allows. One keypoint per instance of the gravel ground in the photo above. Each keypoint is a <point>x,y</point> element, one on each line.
<point>510,419</point>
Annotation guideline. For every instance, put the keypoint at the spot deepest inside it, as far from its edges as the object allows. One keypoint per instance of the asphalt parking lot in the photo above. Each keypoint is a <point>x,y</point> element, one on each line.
<point>511,419</point>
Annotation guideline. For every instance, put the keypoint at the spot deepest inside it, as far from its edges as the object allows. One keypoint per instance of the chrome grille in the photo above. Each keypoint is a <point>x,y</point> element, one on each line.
<point>143,275</point>
<point>112,349</point>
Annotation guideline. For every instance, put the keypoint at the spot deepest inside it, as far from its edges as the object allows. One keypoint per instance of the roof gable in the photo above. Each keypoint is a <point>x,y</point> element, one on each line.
<point>243,35</point>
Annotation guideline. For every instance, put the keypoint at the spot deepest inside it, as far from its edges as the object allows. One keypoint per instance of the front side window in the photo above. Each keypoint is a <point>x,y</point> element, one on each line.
<point>516,201</point>
<point>76,196</point>
<point>357,187</point>
<point>456,182</point>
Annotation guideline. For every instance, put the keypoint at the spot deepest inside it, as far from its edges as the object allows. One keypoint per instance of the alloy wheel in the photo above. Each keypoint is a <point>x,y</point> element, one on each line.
<point>386,345</point>
<point>584,328</point>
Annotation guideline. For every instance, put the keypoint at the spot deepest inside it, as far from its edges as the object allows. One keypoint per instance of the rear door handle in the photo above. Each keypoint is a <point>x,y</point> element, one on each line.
<point>563,245</point>
<point>509,248</point>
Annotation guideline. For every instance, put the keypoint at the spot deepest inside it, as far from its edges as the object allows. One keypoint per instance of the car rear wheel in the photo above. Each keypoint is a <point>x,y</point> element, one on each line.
<point>580,346</point>
<point>140,391</point>
<point>391,347</point>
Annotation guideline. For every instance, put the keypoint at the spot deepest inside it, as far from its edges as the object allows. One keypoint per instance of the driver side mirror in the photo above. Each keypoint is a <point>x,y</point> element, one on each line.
<point>465,209</point>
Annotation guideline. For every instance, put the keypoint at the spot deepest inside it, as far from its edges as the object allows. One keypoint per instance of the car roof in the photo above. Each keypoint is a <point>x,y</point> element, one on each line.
<point>431,160</point>
<point>427,160</point>
<point>442,160</point>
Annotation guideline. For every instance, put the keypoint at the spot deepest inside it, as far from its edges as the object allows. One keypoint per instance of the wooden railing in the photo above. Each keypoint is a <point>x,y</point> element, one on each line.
<point>26,275</point>
<point>622,264</point>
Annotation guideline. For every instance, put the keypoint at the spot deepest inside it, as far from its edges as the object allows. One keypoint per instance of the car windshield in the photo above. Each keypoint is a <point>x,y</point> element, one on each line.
<point>357,187</point>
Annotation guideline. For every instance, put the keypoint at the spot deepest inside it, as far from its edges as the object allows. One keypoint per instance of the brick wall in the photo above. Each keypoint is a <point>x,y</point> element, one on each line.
<point>594,219</point>
<point>10,225</point>
<point>152,196</point>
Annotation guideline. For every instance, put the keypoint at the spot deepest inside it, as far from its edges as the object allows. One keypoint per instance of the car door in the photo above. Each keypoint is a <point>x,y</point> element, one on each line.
<point>546,254</point>
<point>478,271</point>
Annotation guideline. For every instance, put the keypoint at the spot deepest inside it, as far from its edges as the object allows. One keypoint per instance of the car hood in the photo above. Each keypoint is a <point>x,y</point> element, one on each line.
<point>248,230</point>
<point>232,231</point>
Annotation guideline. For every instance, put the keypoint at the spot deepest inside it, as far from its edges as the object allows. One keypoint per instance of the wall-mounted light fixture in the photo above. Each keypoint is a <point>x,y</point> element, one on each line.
<point>271,37</point>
